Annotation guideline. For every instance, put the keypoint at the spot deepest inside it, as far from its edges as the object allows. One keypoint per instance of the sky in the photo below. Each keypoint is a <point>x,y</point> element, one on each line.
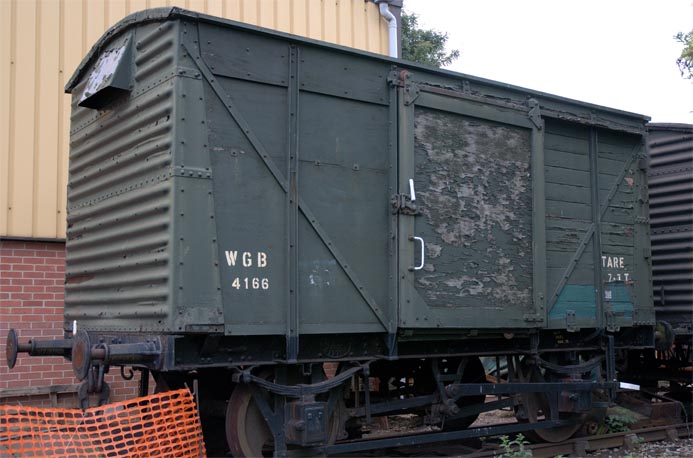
<point>616,53</point>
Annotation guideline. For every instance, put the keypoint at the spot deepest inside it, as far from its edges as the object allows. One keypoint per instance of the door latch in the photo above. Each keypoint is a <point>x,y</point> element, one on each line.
<point>404,204</point>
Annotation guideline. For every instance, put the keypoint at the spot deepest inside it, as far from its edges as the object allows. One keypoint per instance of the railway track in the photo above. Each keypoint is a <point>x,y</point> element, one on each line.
<point>574,447</point>
<point>583,445</point>
<point>651,417</point>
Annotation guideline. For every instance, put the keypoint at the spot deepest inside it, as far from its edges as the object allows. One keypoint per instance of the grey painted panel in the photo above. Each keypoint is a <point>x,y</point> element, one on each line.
<point>567,160</point>
<point>327,72</point>
<point>264,107</point>
<point>329,302</point>
<point>567,193</point>
<point>252,244</point>
<point>343,178</point>
<point>237,54</point>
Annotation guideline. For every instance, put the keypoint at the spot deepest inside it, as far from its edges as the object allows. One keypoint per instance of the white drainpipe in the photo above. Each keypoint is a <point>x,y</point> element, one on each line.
<point>392,26</point>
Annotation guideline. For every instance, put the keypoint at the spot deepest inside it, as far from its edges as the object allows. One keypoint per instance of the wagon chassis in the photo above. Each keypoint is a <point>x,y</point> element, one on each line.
<point>289,424</point>
<point>290,409</point>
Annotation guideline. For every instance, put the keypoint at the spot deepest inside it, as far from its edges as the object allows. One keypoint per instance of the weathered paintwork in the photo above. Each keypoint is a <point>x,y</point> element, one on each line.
<point>258,184</point>
<point>474,193</point>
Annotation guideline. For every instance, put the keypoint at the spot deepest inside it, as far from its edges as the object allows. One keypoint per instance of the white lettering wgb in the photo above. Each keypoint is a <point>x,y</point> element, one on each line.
<point>248,259</point>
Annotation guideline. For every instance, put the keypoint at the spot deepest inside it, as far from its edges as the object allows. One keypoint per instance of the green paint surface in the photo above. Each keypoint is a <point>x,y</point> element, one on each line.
<point>621,302</point>
<point>579,298</point>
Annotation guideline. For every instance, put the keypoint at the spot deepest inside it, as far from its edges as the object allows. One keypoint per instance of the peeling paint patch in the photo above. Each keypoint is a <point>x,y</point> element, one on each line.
<point>433,250</point>
<point>474,192</point>
<point>467,285</point>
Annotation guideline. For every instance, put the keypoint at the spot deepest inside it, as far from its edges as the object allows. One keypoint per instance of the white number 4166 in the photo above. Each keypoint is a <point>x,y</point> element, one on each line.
<point>250,283</point>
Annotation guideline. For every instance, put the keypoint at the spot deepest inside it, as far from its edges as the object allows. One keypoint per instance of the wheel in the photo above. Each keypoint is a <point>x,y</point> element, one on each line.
<point>247,432</point>
<point>538,408</point>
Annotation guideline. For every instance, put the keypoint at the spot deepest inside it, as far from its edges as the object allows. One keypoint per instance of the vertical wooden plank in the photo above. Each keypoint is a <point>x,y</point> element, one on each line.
<point>329,21</point>
<point>48,94</point>
<point>200,6</point>
<point>73,17</point>
<point>157,3</point>
<point>117,10</point>
<point>359,29</point>
<point>314,19</point>
<point>24,129</point>
<point>344,23</point>
<point>215,7</point>
<point>232,9</point>
<point>266,14</point>
<point>373,20</point>
<point>283,12</point>
<point>299,23</point>
<point>136,5</point>
<point>95,12</point>
<point>249,11</point>
<point>6,89</point>
<point>63,133</point>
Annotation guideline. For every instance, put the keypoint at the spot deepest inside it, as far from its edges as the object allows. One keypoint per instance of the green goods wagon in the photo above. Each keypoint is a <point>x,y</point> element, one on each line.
<point>245,198</point>
<point>227,179</point>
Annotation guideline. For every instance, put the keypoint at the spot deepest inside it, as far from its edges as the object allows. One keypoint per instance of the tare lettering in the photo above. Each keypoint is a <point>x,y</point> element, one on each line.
<point>615,267</point>
<point>613,262</point>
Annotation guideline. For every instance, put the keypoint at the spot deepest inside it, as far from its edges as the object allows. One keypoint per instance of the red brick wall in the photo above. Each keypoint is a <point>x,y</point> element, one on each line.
<point>32,278</point>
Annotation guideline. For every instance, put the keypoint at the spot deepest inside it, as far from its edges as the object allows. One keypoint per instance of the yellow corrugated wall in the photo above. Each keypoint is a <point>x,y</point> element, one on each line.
<point>43,41</point>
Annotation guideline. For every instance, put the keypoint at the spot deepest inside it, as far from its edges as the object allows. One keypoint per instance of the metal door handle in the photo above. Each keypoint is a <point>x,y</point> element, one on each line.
<point>412,193</point>
<point>420,266</point>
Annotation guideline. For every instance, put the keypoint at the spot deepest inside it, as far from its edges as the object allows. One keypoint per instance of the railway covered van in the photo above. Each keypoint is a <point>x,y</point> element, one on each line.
<point>671,219</point>
<point>670,178</point>
<point>245,206</point>
<point>273,187</point>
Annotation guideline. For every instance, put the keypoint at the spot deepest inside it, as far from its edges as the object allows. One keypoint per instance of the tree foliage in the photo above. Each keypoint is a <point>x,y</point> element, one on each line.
<point>685,61</point>
<point>424,46</point>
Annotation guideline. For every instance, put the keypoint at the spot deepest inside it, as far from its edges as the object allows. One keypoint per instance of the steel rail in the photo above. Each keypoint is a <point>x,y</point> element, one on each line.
<point>582,445</point>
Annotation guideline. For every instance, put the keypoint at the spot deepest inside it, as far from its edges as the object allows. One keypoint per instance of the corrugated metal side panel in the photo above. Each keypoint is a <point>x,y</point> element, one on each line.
<point>43,41</point>
<point>671,220</point>
<point>119,195</point>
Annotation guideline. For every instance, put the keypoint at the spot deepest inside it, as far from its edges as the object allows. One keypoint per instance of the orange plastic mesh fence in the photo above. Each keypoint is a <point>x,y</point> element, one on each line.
<point>160,425</point>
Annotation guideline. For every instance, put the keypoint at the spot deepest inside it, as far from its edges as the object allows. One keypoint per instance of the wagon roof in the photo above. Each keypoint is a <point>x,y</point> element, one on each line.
<point>670,126</point>
<point>172,13</point>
